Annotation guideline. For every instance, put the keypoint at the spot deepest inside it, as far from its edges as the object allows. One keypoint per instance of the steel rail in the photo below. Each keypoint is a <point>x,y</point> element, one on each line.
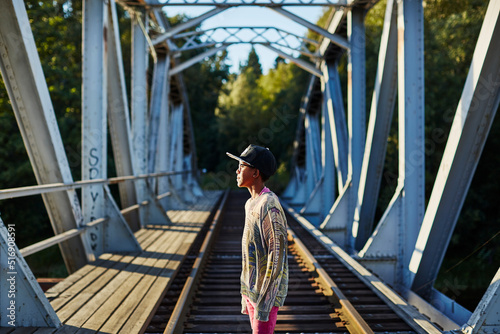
<point>354,321</point>
<point>175,321</point>
<point>52,187</point>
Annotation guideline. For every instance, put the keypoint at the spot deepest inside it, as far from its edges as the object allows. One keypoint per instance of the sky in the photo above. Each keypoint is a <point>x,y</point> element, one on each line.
<point>251,16</point>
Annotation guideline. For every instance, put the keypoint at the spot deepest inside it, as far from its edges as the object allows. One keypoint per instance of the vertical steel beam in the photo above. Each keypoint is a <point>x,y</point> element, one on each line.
<point>163,150</point>
<point>382,107</point>
<point>94,104</point>
<point>160,81</point>
<point>473,119</point>
<point>314,176</point>
<point>29,95</point>
<point>139,103</point>
<point>119,119</point>
<point>411,127</point>
<point>356,106</point>
<point>313,162</point>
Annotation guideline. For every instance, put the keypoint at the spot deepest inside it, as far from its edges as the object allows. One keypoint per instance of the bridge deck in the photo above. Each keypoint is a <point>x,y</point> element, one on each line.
<point>118,293</point>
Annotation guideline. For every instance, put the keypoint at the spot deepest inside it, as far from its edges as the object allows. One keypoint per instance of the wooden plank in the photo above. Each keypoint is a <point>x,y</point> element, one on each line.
<point>70,293</point>
<point>73,278</point>
<point>129,278</point>
<point>145,311</point>
<point>166,268</point>
<point>108,297</point>
<point>87,302</point>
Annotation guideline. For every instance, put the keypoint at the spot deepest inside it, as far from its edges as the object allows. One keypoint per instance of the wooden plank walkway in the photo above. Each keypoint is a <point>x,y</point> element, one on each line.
<point>118,293</point>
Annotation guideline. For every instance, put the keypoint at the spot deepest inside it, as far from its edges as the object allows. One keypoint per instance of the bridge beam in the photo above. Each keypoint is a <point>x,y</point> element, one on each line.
<point>139,104</point>
<point>381,112</point>
<point>339,220</point>
<point>389,249</point>
<point>189,24</point>
<point>94,121</point>
<point>29,95</point>
<point>473,119</point>
<point>486,317</point>
<point>119,119</point>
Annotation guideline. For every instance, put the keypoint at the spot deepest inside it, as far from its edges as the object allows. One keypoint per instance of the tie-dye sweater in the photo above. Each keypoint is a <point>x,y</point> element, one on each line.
<point>264,275</point>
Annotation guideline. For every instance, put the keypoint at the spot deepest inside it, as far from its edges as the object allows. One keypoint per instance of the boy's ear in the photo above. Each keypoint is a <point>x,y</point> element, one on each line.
<point>256,173</point>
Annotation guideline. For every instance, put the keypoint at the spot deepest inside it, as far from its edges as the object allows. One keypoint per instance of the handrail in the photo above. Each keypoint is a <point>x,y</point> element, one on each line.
<point>52,187</point>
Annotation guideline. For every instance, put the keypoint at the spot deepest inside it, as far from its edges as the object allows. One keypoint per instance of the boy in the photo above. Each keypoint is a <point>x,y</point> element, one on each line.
<point>264,276</point>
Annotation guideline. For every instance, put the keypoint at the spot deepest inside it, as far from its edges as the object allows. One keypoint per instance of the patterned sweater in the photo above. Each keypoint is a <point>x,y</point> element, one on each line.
<point>264,275</point>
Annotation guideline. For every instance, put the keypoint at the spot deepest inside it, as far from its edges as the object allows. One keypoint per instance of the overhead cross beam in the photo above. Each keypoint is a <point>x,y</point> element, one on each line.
<point>248,35</point>
<point>261,3</point>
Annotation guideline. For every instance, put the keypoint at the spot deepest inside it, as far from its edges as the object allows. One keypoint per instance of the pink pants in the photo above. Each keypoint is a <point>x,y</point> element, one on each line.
<point>258,326</point>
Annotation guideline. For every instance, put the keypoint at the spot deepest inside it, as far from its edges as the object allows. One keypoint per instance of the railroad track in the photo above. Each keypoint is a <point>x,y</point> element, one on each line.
<point>324,296</point>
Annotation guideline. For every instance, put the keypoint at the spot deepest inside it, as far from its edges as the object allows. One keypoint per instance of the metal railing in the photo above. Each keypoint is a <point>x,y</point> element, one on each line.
<point>54,187</point>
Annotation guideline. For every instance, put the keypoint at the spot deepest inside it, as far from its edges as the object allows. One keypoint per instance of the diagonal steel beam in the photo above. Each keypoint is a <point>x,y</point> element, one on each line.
<point>336,39</point>
<point>196,59</point>
<point>189,24</point>
<point>29,95</point>
<point>118,115</point>
<point>299,62</point>
<point>475,114</point>
<point>382,108</point>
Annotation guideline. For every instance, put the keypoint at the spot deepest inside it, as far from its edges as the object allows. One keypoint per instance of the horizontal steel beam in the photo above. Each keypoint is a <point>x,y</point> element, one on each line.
<point>234,3</point>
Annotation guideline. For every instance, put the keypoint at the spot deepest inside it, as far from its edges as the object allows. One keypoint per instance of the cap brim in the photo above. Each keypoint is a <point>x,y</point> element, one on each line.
<point>237,158</point>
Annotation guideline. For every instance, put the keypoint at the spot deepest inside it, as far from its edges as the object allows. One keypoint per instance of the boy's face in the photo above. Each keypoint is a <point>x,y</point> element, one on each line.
<point>244,175</point>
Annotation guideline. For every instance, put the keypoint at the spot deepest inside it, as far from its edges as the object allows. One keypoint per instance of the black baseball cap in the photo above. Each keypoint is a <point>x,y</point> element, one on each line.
<point>259,157</point>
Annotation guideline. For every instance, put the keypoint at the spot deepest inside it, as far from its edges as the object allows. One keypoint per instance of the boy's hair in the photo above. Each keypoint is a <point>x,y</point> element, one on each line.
<point>264,177</point>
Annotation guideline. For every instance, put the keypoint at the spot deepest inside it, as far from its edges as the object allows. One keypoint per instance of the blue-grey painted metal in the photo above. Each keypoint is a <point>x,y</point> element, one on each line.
<point>119,119</point>
<point>94,121</point>
<point>411,128</point>
<point>356,108</point>
<point>486,317</point>
<point>299,62</point>
<point>24,80</point>
<point>189,24</point>
<point>162,162</point>
<point>335,223</point>
<point>388,251</point>
<point>313,181</point>
<point>139,103</point>
<point>381,112</point>
<point>313,162</point>
<point>157,104</point>
<point>336,39</point>
<point>22,302</point>
<point>473,119</point>
<point>117,235</point>
<point>264,35</point>
<point>328,159</point>
<point>196,59</point>
<point>263,3</point>
<point>338,124</point>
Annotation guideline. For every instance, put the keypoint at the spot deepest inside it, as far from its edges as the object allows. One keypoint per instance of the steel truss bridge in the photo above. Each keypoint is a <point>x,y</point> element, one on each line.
<point>338,159</point>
